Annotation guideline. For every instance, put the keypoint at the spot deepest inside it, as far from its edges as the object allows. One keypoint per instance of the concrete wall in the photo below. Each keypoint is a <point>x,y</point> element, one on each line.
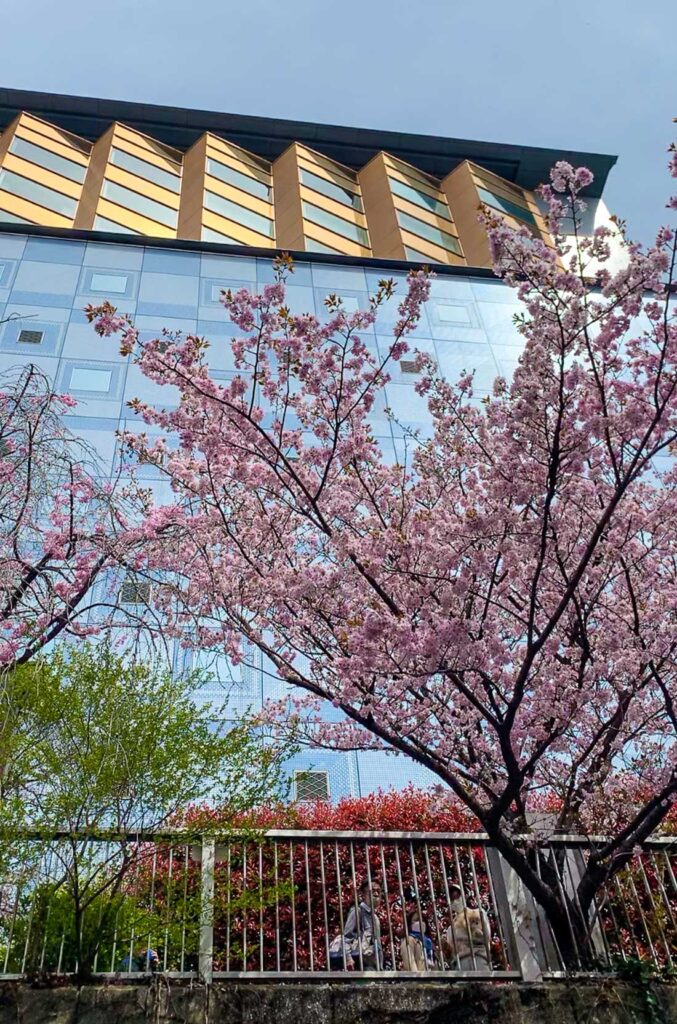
<point>403,1002</point>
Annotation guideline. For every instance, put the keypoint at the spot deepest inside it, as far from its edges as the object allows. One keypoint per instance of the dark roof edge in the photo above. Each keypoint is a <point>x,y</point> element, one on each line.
<point>268,137</point>
<point>193,245</point>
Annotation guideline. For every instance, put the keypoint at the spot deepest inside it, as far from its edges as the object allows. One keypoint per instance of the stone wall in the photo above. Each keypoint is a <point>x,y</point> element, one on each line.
<point>367,1002</point>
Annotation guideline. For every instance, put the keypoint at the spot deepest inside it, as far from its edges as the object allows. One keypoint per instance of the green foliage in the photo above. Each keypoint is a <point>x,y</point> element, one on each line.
<point>95,744</point>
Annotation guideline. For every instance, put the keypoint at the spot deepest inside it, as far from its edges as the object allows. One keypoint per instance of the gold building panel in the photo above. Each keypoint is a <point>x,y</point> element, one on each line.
<point>226,193</point>
<point>218,191</point>
<point>41,172</point>
<point>468,187</point>
<point>408,213</point>
<point>318,201</point>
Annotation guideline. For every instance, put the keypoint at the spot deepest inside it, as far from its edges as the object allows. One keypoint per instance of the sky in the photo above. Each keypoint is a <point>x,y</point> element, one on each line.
<point>597,75</point>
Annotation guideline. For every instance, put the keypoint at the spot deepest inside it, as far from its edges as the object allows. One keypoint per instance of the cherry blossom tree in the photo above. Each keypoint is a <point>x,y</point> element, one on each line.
<point>499,605</point>
<point>62,527</point>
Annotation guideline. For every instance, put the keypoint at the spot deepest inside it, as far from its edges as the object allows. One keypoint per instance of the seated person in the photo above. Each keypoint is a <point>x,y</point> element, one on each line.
<point>359,948</point>
<point>466,942</point>
<point>416,948</point>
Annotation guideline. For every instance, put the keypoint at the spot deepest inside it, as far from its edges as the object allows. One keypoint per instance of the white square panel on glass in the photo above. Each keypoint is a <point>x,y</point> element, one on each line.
<point>85,378</point>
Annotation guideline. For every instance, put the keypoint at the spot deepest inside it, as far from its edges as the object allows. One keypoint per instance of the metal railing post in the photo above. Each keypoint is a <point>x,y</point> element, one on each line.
<point>518,917</point>
<point>206,960</point>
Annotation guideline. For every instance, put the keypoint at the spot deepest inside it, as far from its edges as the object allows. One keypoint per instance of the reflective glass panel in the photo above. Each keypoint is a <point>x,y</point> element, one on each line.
<point>103,224</point>
<point>240,214</point>
<point>215,236</point>
<point>109,283</point>
<point>35,193</point>
<point>416,257</point>
<point>321,247</point>
<point>233,177</point>
<point>143,169</point>
<point>45,158</point>
<point>336,224</point>
<point>85,379</point>
<point>506,206</point>
<point>331,190</point>
<point>11,218</point>
<point>140,204</point>
<point>429,231</point>
<point>419,198</point>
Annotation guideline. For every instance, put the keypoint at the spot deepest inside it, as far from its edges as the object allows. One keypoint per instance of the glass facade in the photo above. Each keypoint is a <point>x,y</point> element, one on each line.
<point>45,283</point>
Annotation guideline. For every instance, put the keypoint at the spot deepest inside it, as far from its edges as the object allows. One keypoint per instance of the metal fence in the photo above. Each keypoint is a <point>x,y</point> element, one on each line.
<point>318,904</point>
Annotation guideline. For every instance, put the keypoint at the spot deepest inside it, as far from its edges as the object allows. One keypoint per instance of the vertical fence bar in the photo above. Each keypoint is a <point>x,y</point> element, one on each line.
<point>403,900</point>
<point>228,902</point>
<point>186,856</point>
<point>386,899</point>
<point>293,906</point>
<point>245,910</point>
<point>309,905</point>
<point>358,923</point>
<point>261,951</point>
<point>168,908</point>
<point>206,955</point>
<point>277,906</point>
<point>323,883</point>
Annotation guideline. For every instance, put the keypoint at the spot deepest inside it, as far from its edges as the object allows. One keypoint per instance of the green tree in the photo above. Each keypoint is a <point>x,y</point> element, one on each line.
<point>95,745</point>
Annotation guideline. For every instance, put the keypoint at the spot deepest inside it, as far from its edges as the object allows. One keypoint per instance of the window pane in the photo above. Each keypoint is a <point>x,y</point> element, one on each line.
<point>453,314</point>
<point>429,231</point>
<point>39,194</point>
<point>11,218</point>
<point>84,379</point>
<point>45,158</point>
<point>238,179</point>
<point>416,257</point>
<point>321,247</point>
<point>135,165</point>
<point>422,199</point>
<point>331,190</point>
<point>103,224</point>
<point>140,204</point>
<point>341,227</point>
<point>108,283</point>
<point>215,236</point>
<point>506,206</point>
<point>240,214</point>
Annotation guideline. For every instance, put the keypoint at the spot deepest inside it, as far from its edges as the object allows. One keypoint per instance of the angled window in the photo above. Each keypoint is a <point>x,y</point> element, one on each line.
<point>419,198</point>
<point>240,214</point>
<point>245,182</point>
<point>17,185</point>
<point>506,206</point>
<point>139,204</point>
<point>336,224</point>
<point>208,235</point>
<point>311,785</point>
<point>11,218</point>
<point>47,159</point>
<point>331,190</point>
<point>428,231</point>
<point>144,169</point>
<point>103,224</point>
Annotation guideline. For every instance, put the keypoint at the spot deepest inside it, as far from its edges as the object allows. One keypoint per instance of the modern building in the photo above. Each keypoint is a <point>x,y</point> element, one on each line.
<point>158,209</point>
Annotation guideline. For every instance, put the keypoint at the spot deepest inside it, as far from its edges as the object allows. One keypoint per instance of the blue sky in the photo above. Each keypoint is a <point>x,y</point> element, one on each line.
<point>588,74</point>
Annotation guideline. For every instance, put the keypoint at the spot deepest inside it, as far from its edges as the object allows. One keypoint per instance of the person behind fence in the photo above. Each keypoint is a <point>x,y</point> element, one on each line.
<point>146,960</point>
<point>359,948</point>
<point>466,942</point>
<point>416,946</point>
